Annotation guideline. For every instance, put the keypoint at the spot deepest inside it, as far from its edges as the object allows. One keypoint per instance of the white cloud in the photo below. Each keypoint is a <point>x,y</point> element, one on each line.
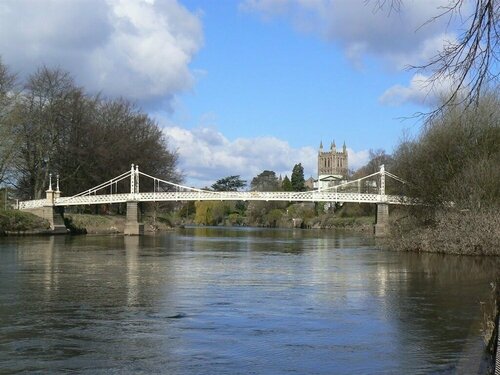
<point>206,155</point>
<point>427,50</point>
<point>136,49</point>
<point>401,38</point>
<point>421,90</point>
<point>357,159</point>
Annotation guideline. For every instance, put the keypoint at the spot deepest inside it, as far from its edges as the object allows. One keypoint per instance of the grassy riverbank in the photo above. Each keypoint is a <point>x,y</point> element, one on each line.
<point>18,221</point>
<point>95,224</point>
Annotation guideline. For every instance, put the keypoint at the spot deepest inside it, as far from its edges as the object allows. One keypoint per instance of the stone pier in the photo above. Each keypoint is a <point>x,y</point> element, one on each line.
<point>133,226</point>
<point>382,221</point>
<point>54,215</point>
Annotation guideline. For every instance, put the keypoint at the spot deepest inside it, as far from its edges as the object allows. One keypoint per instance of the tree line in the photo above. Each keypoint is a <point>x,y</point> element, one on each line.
<point>237,213</point>
<point>49,125</point>
<point>265,181</point>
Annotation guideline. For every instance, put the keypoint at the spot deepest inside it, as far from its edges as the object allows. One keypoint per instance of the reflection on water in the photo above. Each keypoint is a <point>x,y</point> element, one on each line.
<point>236,301</point>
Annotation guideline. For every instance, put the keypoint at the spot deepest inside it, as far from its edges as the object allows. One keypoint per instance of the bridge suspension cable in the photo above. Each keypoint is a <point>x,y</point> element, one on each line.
<point>178,192</point>
<point>336,187</point>
<point>104,185</point>
<point>394,177</point>
<point>177,186</point>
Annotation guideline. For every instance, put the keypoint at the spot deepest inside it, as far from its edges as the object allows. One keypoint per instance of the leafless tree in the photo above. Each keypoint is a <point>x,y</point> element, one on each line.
<point>41,127</point>
<point>8,94</point>
<point>455,158</point>
<point>471,63</point>
<point>85,139</point>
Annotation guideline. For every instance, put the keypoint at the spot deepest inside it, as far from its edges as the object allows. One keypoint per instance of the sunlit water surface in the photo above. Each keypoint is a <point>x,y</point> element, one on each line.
<point>236,301</point>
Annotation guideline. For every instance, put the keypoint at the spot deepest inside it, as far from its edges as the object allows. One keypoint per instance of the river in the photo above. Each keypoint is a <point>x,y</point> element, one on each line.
<point>237,301</point>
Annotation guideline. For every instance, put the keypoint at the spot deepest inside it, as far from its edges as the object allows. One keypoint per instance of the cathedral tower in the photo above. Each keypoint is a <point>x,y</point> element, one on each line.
<point>332,165</point>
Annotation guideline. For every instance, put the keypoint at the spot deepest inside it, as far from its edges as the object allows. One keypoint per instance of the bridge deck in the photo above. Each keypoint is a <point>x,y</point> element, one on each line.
<point>185,193</point>
<point>308,196</point>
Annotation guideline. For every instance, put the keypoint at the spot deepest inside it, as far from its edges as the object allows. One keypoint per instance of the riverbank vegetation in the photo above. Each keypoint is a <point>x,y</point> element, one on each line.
<point>453,169</point>
<point>14,221</point>
<point>281,215</point>
<point>273,214</point>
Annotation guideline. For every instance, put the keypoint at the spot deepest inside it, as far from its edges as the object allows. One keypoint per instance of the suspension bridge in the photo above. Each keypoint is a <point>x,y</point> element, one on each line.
<point>368,189</point>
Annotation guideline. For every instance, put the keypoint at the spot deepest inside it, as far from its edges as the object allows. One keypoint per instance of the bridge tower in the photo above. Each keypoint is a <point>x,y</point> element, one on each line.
<point>133,225</point>
<point>382,220</point>
<point>54,215</point>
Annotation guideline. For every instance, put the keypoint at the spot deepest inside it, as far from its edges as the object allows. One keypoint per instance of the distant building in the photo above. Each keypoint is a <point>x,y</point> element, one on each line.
<point>332,166</point>
<point>309,183</point>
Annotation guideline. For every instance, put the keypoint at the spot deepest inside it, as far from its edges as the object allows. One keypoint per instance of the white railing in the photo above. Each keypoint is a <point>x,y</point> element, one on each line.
<point>185,193</point>
<point>309,196</point>
<point>93,199</point>
<point>37,203</point>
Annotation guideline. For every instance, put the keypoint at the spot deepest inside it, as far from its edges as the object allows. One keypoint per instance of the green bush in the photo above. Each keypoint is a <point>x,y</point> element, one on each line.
<point>273,217</point>
<point>14,220</point>
<point>235,219</point>
<point>74,228</point>
<point>356,210</point>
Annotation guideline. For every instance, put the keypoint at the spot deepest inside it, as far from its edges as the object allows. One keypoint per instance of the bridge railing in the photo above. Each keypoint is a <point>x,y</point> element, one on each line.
<point>174,192</point>
<point>37,203</point>
<point>309,196</point>
<point>312,196</point>
<point>93,199</point>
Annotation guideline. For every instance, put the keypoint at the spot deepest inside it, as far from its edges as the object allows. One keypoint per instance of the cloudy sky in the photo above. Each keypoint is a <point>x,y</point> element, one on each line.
<point>242,86</point>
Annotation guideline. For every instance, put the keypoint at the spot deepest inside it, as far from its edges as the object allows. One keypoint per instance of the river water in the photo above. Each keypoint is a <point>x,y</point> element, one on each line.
<point>237,301</point>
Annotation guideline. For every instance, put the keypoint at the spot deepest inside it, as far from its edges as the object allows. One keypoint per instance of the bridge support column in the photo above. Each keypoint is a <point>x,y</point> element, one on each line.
<point>382,221</point>
<point>133,226</point>
<point>54,215</point>
<point>50,212</point>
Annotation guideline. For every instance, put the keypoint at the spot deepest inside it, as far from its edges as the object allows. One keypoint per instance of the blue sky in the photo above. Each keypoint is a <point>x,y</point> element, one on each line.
<point>264,78</point>
<point>242,86</point>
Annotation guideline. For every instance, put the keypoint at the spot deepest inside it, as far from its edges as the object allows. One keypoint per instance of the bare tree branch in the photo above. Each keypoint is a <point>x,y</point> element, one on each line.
<point>471,63</point>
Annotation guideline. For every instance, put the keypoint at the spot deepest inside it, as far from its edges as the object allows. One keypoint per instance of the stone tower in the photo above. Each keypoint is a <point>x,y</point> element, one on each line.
<point>332,165</point>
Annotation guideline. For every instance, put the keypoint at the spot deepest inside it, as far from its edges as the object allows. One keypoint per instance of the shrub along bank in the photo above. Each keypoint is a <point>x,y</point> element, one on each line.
<point>18,221</point>
<point>466,232</point>
<point>453,168</point>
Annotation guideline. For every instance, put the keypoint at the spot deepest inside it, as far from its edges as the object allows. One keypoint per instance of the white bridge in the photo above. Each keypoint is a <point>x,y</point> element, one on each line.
<point>163,191</point>
<point>368,189</point>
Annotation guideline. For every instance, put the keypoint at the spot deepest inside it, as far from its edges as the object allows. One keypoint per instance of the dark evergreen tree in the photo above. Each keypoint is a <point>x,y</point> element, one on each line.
<point>230,183</point>
<point>298,181</point>
<point>266,181</point>
<point>287,185</point>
